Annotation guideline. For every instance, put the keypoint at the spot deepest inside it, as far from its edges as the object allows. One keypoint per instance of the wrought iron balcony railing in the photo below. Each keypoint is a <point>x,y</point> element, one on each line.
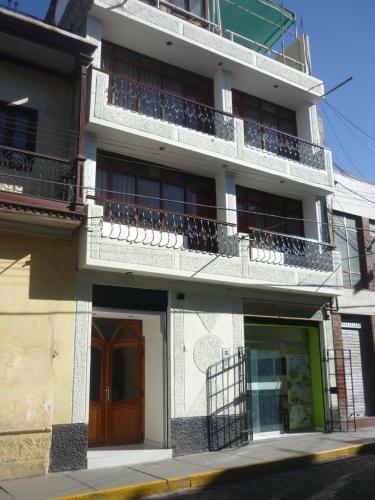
<point>158,227</point>
<point>284,249</point>
<point>27,173</point>
<point>282,144</point>
<point>166,106</point>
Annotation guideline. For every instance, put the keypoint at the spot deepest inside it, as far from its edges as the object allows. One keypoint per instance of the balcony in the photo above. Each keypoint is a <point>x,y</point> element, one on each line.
<point>38,181</point>
<point>198,44</point>
<point>127,237</point>
<point>283,249</point>
<point>168,107</point>
<point>126,111</point>
<point>281,144</point>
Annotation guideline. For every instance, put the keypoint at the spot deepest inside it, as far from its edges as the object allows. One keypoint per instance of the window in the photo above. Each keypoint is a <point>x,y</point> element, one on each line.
<point>257,112</point>
<point>196,7</point>
<point>143,69</point>
<point>272,206</point>
<point>345,230</point>
<point>145,184</point>
<point>266,113</point>
<point>371,248</point>
<point>17,127</point>
<point>137,81</point>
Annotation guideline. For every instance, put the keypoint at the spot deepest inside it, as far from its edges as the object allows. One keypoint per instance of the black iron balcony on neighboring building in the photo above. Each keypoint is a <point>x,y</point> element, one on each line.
<point>38,180</point>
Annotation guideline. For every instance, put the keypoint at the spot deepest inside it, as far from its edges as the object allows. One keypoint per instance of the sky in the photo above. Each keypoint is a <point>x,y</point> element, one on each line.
<point>342,44</point>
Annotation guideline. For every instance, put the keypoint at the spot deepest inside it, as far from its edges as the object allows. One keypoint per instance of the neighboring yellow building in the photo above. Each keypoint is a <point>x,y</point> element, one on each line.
<point>37,316</point>
<point>40,211</point>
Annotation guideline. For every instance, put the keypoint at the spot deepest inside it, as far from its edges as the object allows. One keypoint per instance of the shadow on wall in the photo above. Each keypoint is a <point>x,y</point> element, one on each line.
<point>46,266</point>
<point>227,402</point>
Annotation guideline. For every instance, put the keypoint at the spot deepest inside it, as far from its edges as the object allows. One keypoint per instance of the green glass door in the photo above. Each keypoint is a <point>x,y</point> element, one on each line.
<point>266,387</point>
<point>285,378</point>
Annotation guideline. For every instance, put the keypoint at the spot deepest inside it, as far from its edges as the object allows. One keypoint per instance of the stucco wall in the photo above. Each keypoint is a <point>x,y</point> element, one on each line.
<point>50,96</point>
<point>36,329</point>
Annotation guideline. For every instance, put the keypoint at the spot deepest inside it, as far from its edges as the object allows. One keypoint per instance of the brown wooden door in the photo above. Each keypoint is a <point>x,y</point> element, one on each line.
<point>116,383</point>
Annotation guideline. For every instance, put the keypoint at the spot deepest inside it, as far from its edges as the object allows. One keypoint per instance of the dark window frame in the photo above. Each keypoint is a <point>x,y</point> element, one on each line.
<point>359,283</point>
<point>204,187</point>
<point>114,55</point>
<point>243,196</point>
<point>9,125</point>
<point>239,107</point>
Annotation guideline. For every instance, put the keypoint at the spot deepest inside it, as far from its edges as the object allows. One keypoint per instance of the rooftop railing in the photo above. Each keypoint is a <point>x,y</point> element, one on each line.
<point>283,144</point>
<point>136,223</point>
<point>203,21</point>
<point>26,173</point>
<point>283,249</point>
<point>166,106</point>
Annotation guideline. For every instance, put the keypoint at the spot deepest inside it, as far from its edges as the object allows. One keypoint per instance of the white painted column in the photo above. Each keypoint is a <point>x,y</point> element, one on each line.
<point>315,219</point>
<point>89,171</point>
<point>308,124</point>
<point>223,90</point>
<point>94,34</point>
<point>226,197</point>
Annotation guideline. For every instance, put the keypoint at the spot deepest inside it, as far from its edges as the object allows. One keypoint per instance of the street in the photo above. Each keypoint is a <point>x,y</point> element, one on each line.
<point>345,479</point>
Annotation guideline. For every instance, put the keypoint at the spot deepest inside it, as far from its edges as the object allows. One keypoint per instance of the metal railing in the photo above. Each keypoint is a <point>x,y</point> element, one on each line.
<point>283,249</point>
<point>151,101</point>
<point>137,223</point>
<point>27,173</point>
<point>283,144</point>
<point>270,52</point>
<point>228,384</point>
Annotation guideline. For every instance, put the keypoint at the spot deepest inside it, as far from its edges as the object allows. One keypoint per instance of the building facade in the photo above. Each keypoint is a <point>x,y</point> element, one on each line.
<point>353,320</point>
<point>40,211</point>
<point>205,270</point>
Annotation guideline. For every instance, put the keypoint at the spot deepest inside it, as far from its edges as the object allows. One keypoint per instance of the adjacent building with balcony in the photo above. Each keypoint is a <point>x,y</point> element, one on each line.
<point>42,104</point>
<point>353,214</point>
<point>205,248</point>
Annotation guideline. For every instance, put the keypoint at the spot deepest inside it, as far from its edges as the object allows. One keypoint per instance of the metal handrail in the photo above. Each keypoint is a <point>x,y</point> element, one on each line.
<point>35,153</point>
<point>301,238</point>
<point>269,50</point>
<point>161,210</point>
<point>286,134</point>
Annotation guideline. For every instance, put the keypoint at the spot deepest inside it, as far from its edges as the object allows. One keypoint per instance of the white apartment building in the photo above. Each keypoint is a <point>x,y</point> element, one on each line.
<point>206,241</point>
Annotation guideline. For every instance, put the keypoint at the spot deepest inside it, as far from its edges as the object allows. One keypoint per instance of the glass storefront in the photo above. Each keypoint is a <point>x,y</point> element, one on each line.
<point>285,378</point>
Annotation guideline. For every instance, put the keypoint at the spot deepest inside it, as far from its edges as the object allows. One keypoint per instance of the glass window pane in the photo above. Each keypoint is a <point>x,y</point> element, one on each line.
<point>95,373</point>
<point>125,374</point>
<point>106,327</point>
<point>20,127</point>
<point>197,7</point>
<point>2,126</point>
<point>149,190</point>
<point>101,182</point>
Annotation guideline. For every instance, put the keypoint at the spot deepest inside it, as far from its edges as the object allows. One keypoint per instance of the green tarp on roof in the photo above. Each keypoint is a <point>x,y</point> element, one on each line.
<point>262,21</point>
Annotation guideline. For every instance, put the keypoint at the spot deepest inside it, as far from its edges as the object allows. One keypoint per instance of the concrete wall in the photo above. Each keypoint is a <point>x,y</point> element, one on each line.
<point>37,314</point>
<point>105,247</point>
<point>51,97</point>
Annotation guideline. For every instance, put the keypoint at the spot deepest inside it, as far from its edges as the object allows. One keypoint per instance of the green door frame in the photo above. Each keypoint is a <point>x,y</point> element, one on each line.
<point>315,359</point>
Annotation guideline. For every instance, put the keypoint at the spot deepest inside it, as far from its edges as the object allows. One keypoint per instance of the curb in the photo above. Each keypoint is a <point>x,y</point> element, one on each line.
<point>216,476</point>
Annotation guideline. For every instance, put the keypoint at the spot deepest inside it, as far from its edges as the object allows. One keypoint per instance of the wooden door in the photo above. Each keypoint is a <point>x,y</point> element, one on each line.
<point>116,383</point>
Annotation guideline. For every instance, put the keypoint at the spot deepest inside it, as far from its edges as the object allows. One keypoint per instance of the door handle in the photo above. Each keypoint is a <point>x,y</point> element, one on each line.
<point>108,393</point>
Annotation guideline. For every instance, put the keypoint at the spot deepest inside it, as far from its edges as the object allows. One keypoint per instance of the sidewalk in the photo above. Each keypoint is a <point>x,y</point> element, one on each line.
<point>151,478</point>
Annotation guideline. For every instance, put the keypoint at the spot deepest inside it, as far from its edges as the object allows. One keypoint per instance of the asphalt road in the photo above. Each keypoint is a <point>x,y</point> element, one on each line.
<point>345,479</point>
